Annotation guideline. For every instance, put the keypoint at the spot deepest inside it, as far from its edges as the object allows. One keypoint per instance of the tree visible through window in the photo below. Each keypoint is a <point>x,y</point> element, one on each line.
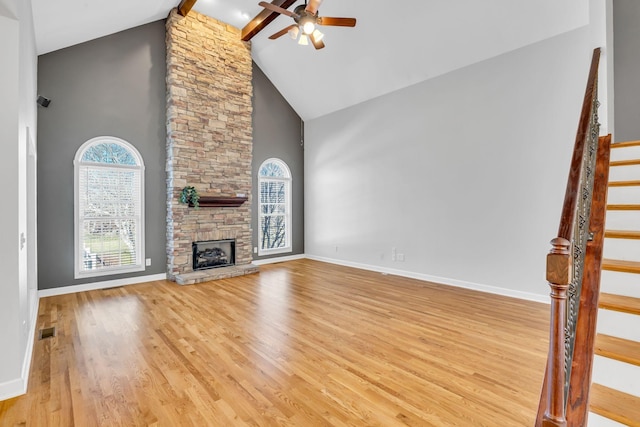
<point>109,208</point>
<point>274,182</point>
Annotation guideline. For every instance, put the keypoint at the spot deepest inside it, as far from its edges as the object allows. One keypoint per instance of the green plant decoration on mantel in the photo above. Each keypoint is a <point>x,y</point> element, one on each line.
<point>188,195</point>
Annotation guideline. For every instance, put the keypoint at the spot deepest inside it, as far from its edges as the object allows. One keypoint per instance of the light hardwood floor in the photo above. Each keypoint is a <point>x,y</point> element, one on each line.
<point>303,343</point>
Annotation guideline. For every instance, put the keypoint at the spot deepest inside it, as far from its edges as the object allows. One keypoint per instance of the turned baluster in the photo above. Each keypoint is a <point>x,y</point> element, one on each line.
<point>559,278</point>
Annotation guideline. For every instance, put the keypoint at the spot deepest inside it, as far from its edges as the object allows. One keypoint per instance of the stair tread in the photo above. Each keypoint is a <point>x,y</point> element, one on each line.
<point>619,303</point>
<point>630,162</point>
<point>622,234</point>
<point>604,401</point>
<point>618,348</point>
<point>624,183</point>
<point>621,265</point>
<point>625,144</point>
<point>615,405</point>
<point>623,207</point>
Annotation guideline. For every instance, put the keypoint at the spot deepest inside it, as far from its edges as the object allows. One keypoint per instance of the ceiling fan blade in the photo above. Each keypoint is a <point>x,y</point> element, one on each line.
<point>312,6</point>
<point>318,44</point>
<point>264,18</point>
<point>336,22</point>
<point>281,33</point>
<point>277,9</point>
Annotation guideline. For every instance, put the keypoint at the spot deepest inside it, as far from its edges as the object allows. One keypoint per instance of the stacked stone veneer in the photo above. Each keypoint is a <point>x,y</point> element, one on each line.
<point>209,140</point>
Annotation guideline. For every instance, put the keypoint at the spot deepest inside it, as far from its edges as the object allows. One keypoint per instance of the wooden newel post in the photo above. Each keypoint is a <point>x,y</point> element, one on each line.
<point>559,277</point>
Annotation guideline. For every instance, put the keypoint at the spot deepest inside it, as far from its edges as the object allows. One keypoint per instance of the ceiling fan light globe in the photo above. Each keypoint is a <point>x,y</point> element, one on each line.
<point>317,35</point>
<point>293,33</point>
<point>304,40</point>
<point>308,27</point>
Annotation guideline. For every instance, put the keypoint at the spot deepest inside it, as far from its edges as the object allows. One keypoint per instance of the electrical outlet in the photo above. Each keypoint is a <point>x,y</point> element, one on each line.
<point>400,257</point>
<point>255,249</point>
<point>147,262</point>
<point>393,254</point>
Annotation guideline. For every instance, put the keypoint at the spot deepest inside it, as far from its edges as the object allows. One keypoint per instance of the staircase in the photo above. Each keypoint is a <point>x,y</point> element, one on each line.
<point>615,390</point>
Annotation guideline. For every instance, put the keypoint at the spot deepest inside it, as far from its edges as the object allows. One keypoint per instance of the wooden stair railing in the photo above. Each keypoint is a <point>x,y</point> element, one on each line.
<point>573,271</point>
<point>585,332</point>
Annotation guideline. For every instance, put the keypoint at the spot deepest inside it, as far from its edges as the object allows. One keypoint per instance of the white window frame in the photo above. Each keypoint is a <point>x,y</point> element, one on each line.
<point>288,225</point>
<point>139,264</point>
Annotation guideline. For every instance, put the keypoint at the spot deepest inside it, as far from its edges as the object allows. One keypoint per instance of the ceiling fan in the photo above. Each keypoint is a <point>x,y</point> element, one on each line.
<point>306,20</point>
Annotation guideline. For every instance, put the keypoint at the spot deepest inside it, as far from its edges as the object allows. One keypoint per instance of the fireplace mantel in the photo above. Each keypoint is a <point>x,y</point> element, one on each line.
<point>220,202</point>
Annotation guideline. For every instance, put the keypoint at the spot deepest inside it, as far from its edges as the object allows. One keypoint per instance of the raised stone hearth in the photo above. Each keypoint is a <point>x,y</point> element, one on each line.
<point>209,142</point>
<point>215,274</point>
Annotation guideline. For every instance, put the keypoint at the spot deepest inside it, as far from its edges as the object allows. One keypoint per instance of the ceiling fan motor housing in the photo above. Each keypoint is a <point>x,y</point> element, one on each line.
<point>303,18</point>
<point>301,10</point>
<point>301,15</point>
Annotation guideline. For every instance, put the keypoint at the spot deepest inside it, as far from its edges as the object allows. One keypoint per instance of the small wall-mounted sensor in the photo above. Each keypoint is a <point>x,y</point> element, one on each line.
<point>43,101</point>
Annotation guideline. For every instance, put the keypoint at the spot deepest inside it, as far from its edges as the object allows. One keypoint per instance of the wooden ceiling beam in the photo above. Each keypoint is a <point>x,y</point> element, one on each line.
<point>185,6</point>
<point>263,19</point>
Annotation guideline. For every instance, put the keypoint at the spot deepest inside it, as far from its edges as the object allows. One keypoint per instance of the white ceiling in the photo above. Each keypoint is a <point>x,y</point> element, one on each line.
<point>394,45</point>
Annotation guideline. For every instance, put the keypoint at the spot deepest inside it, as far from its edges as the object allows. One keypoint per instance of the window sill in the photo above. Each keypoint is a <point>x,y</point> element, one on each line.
<point>266,252</point>
<point>109,272</point>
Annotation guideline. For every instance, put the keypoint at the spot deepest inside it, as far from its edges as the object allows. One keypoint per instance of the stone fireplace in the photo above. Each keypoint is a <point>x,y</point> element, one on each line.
<point>209,142</point>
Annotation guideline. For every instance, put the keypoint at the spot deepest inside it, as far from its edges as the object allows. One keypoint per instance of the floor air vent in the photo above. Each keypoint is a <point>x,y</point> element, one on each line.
<point>47,333</point>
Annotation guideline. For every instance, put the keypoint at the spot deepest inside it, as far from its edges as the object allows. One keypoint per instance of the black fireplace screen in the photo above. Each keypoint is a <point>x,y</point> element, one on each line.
<point>213,254</point>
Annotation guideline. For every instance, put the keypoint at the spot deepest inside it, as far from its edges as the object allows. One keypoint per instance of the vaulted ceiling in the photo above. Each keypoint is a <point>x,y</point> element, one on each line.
<point>394,45</point>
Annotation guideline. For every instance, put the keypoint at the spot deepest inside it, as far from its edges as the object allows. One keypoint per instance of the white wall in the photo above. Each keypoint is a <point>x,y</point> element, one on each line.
<point>9,302</point>
<point>27,152</point>
<point>601,28</point>
<point>463,174</point>
<point>17,114</point>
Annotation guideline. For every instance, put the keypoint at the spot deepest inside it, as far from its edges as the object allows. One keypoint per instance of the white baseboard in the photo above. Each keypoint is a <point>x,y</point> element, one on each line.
<point>13,388</point>
<point>17,387</point>
<point>441,280</point>
<point>26,364</point>
<point>278,259</point>
<point>100,285</point>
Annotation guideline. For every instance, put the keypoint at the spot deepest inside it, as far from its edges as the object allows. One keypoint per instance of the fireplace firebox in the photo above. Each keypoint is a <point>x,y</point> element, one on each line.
<point>213,254</point>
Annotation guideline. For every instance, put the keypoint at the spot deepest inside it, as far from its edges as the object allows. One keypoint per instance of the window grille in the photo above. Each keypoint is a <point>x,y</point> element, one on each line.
<point>274,183</point>
<point>109,208</point>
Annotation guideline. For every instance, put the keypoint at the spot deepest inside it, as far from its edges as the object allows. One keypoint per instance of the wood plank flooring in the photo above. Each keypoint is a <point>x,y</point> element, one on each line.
<point>302,343</point>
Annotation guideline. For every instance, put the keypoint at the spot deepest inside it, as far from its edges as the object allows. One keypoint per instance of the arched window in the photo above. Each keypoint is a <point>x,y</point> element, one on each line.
<point>274,183</point>
<point>109,208</point>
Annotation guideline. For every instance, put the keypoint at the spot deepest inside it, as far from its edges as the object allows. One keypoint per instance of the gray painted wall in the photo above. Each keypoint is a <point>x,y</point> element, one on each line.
<point>626,57</point>
<point>277,133</point>
<point>112,86</point>
<point>115,86</point>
